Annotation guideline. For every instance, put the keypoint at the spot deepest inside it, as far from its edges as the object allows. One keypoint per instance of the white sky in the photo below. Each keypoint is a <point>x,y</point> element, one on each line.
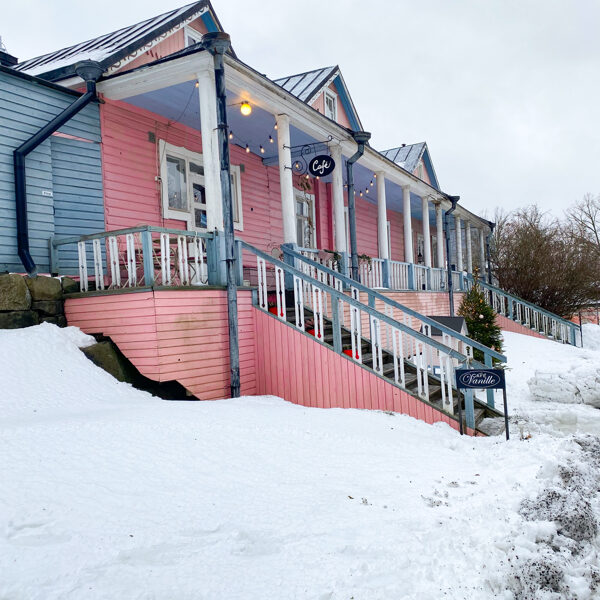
<point>505,92</point>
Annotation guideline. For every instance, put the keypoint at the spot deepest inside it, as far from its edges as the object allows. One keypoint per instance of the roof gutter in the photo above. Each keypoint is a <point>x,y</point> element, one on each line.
<point>90,72</point>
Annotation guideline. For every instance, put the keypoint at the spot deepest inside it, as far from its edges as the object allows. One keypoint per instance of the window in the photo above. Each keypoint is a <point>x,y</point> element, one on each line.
<point>420,249</point>
<point>191,36</point>
<point>420,170</point>
<point>305,220</point>
<point>330,105</point>
<point>183,190</point>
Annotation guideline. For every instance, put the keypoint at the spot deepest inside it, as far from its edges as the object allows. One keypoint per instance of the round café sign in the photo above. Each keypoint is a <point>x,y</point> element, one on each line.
<point>321,166</point>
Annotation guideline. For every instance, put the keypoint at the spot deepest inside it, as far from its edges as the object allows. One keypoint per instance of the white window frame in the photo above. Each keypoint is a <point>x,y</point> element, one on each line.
<point>190,32</point>
<point>420,170</point>
<point>236,191</point>
<point>304,196</point>
<point>333,97</point>
<point>165,149</point>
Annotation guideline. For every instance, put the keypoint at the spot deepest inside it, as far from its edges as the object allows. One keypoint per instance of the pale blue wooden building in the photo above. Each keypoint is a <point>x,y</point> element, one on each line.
<point>63,175</point>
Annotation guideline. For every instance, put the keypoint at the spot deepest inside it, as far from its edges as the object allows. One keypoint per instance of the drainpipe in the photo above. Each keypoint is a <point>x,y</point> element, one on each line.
<point>217,43</point>
<point>487,251</point>
<point>361,138</point>
<point>90,71</point>
<point>454,200</point>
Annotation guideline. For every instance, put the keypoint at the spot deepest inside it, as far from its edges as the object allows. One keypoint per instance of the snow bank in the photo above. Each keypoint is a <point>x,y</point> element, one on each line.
<point>544,375</point>
<point>108,492</point>
<point>591,336</point>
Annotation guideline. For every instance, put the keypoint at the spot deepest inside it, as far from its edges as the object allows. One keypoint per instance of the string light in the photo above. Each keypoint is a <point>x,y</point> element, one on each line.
<point>366,190</point>
<point>361,194</point>
<point>307,176</point>
<point>375,175</point>
<point>197,84</point>
<point>275,126</point>
<point>296,165</point>
<point>371,183</point>
<point>271,139</point>
<point>247,149</point>
<point>262,150</point>
<point>230,134</point>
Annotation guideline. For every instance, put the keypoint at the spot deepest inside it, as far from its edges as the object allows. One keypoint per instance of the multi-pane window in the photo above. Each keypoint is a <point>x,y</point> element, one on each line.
<point>183,189</point>
<point>330,105</point>
<point>305,219</point>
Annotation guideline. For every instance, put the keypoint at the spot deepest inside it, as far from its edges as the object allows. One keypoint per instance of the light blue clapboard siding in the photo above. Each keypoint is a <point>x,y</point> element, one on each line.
<point>78,205</point>
<point>68,167</point>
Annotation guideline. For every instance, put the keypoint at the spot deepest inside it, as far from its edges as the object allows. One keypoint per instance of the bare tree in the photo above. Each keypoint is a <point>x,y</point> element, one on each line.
<point>583,219</point>
<point>540,259</point>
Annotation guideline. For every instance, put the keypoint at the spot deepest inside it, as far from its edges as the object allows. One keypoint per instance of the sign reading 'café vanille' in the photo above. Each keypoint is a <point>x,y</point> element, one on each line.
<point>480,379</point>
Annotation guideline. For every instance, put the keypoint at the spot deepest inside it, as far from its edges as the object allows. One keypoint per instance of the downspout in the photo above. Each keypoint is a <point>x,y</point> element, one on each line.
<point>90,71</point>
<point>454,200</point>
<point>487,251</point>
<point>217,43</point>
<point>361,138</point>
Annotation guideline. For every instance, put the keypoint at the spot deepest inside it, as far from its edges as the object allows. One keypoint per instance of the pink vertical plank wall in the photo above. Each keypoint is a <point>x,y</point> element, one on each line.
<point>301,370</point>
<point>174,335</point>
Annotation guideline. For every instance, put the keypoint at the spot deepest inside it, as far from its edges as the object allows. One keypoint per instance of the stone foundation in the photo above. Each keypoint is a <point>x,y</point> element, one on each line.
<point>27,301</point>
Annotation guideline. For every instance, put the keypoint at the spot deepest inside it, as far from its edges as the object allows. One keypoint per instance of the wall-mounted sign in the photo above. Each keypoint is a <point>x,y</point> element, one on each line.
<point>480,379</point>
<point>321,166</point>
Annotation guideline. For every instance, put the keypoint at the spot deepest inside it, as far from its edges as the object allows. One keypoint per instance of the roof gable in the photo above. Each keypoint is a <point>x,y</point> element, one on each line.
<point>115,48</point>
<point>408,156</point>
<point>309,85</point>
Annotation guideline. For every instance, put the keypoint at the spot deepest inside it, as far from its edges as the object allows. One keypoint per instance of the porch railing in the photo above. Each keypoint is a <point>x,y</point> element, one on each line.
<point>529,315</point>
<point>143,256</point>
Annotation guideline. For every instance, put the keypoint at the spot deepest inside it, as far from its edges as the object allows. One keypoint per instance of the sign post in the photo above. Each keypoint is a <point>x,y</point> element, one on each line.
<point>480,379</point>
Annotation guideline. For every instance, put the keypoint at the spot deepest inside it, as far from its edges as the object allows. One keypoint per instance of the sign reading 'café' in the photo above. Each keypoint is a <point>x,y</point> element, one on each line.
<point>321,166</point>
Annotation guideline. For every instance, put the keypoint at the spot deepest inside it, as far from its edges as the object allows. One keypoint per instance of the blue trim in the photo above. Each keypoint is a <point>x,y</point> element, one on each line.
<point>350,113</point>
<point>429,166</point>
<point>209,22</point>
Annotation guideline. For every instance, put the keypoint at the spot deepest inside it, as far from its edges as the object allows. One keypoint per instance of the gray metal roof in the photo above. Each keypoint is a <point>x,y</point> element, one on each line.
<point>306,85</point>
<point>407,156</point>
<point>110,48</point>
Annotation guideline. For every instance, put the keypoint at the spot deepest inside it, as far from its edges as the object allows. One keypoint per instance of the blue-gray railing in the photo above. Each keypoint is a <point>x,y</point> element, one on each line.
<point>320,289</point>
<point>528,314</point>
<point>144,256</point>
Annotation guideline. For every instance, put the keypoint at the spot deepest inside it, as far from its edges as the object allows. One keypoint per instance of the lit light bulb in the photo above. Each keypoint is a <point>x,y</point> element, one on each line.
<point>245,108</point>
<point>270,139</point>
<point>361,194</point>
<point>231,135</point>
<point>371,183</point>
<point>375,175</point>
<point>275,126</point>
<point>247,149</point>
<point>262,150</point>
<point>197,84</point>
<point>296,165</point>
<point>307,176</point>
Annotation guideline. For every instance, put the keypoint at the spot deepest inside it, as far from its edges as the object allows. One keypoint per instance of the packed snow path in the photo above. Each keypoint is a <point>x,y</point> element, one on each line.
<point>108,492</point>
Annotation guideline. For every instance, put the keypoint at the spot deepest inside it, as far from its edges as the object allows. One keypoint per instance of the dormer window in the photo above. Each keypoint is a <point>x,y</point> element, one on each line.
<point>330,105</point>
<point>191,36</point>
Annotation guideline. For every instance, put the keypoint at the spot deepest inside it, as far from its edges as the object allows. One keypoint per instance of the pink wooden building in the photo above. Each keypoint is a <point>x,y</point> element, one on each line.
<point>160,298</point>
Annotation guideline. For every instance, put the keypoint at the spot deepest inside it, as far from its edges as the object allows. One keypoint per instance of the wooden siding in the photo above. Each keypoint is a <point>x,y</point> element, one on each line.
<point>77,184</point>
<point>177,335</point>
<point>25,107</point>
<point>292,365</point>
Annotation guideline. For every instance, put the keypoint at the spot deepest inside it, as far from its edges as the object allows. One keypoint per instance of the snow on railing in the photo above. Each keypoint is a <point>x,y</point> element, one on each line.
<point>135,257</point>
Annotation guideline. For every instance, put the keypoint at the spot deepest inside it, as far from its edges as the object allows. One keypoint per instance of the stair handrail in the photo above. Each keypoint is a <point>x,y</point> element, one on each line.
<point>287,268</point>
<point>487,352</point>
<point>525,302</point>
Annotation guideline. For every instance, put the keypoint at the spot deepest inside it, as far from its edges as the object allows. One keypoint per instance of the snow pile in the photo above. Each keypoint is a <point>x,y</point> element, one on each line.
<point>543,376</point>
<point>591,336</point>
<point>108,492</point>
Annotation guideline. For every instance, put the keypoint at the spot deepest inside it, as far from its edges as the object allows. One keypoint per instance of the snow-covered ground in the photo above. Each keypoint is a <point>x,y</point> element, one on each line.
<point>107,492</point>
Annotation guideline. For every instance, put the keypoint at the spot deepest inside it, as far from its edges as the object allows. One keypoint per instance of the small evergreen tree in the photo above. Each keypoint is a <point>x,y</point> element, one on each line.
<point>481,320</point>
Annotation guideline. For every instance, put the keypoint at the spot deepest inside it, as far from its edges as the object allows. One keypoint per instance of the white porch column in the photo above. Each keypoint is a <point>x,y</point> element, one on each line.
<point>482,251</point>
<point>439,227</point>
<point>469,247</point>
<point>382,230</point>
<point>337,184</point>
<point>426,232</point>
<point>459,254</point>
<point>285,179</point>
<point>408,244</point>
<point>210,148</point>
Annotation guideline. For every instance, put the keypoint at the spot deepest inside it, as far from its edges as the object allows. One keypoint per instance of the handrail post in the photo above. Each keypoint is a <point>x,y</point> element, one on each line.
<point>469,408</point>
<point>147,257</point>
<point>215,259</point>
<point>411,277</point>
<point>53,252</point>
<point>239,275</point>
<point>428,278</point>
<point>385,273</point>
<point>335,323</point>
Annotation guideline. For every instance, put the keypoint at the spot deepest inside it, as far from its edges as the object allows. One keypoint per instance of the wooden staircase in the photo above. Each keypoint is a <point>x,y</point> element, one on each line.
<point>482,410</point>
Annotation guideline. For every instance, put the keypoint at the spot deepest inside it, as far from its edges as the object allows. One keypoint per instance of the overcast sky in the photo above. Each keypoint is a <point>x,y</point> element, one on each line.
<point>505,92</point>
